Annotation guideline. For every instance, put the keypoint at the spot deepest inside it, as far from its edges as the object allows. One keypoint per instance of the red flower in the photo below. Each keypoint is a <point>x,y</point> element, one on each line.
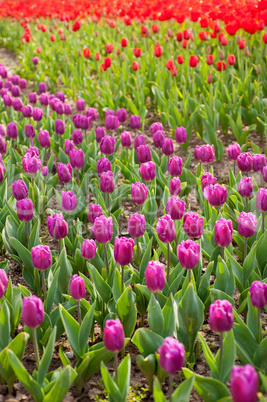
<point>157,51</point>
<point>76,26</point>
<point>186,34</point>
<point>203,35</point>
<point>174,71</point>
<point>231,59</point>
<point>137,52</point>
<point>220,36</point>
<point>193,61</point>
<point>144,31</point>
<point>97,56</point>
<point>232,28</point>
<point>210,59</point>
<point>179,36</point>
<point>103,67</point>
<point>261,25</point>
<point>107,62</point>
<point>52,38</point>
<point>124,42</point>
<point>204,23</point>
<point>135,65</point>
<point>155,28</point>
<point>213,35</point>
<point>241,43</point>
<point>185,44</point>
<point>86,52</point>
<point>109,48</point>
<point>221,65</point>
<point>264,38</point>
<point>170,64</point>
<point>224,41</point>
<point>39,49</point>
<point>180,59</point>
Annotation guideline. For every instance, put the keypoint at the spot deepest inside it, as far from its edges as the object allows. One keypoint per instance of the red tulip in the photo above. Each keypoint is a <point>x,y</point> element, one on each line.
<point>193,61</point>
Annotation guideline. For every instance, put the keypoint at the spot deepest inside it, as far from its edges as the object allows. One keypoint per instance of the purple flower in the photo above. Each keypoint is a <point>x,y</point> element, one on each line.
<point>136,225</point>
<point>31,164</point>
<point>2,146</point>
<point>2,131</point>
<point>35,60</point>
<point>77,137</point>
<point>171,355</point>
<point>126,139</point>
<point>41,257</point>
<point>92,113</point>
<point>17,105</point>
<point>139,193</point>
<point>3,282</point>
<point>66,109</point>
<point>23,83</point>
<point>37,114</point>
<point>69,145</point>
<point>234,151</point>
<point>64,172</point>
<point>15,91</point>
<point>107,145</point>
<point>148,171</point>
<point>166,229</point>
<point>221,317</point>
<point>215,194</point>
<point>158,138</point>
<point>103,229</point>
<point>25,210</point>
<point>80,104</point>
<point>259,161</point>
<point>123,250</point>
<point>32,311</point>
<point>155,276</point>
<point>44,100</point>
<point>61,96</point>
<point>19,190</point>
<point>76,158</point>
<point>206,180</point>
<point>258,294</point>
<point>188,253</point>
<point>12,131</point>
<point>180,135</point>
<point>121,115</point>
<point>156,127</point>
<point>112,123</point>
<point>59,127</point>
<point>77,287</point>
<point>135,122</point>
<point>175,166</point>
<point>88,249</point>
<point>113,335</point>
<point>68,201</point>
<point>245,162</point>
<point>100,133</point>
<point>143,154</point>
<point>245,187</point>
<point>244,384</point>
<point>57,226</point>
<point>247,224</point>
<point>167,146</point>
<point>104,165</point>
<point>27,111</point>
<point>85,122</point>
<point>45,171</point>
<point>41,87</point>
<point>223,234</point>
<point>44,138</point>
<point>7,101</point>
<point>139,140</point>
<point>94,212</point>
<point>264,173</point>
<point>175,208</point>
<point>193,225</point>
<point>107,183</point>
<point>33,97</point>
<point>29,131</point>
<point>261,199</point>
<point>175,186</point>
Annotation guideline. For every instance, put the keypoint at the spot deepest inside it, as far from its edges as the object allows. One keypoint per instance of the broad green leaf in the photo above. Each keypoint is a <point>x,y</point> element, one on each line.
<point>155,317</point>
<point>62,385</point>
<point>47,357</point>
<point>182,393</point>
<point>147,341</point>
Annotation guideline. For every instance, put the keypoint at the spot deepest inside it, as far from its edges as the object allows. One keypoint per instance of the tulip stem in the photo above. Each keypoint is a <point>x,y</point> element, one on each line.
<point>189,276</point>
<point>258,325</point>
<point>156,295</point>
<point>122,278</point>
<point>221,351</point>
<point>170,387</point>
<point>262,222</point>
<point>79,312</point>
<point>35,345</point>
<point>138,251</point>
<point>168,262</point>
<point>61,139</point>
<point>108,202</point>
<point>223,253</point>
<point>78,178</point>
<point>59,247</point>
<point>246,204</point>
<point>27,232</point>
<point>234,168</point>
<point>106,258</point>
<point>245,248</point>
<point>116,367</point>
<point>43,283</point>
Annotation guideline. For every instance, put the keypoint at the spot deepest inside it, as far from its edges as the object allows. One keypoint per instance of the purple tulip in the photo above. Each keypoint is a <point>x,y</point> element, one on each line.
<point>166,229</point>
<point>107,183</point>
<point>175,186</point>
<point>103,229</point>
<point>59,127</point>
<point>171,355</point>
<point>68,201</point>
<point>61,96</point>
<point>109,113</point>
<point>7,101</point>
<point>264,173</point>
<point>15,91</point>
<point>45,171</point>
<point>94,212</point>
<point>37,114</point>
<point>156,127</point>
<point>143,154</point>
<point>23,83</point>
<point>155,276</point>
<point>77,137</point>
<point>80,104</point>
<point>167,146</point>
<point>85,122</point>
<point>215,194</point>
<point>188,253</point>
<point>247,224</point>
<point>33,97</point>
<point>32,152</point>
<point>139,140</point>
<point>3,282</point>
<point>2,146</point>
<point>76,158</point>
<point>107,145</point>
<point>135,122</point>
<point>27,111</point>
<point>244,384</point>
<point>258,294</point>
<point>121,114</point>
<point>175,208</point>
<point>261,199</point>
<point>31,164</point>
<point>32,311</point>
<point>148,171</point>
<point>41,257</point>
<point>25,209</point>
<point>2,131</point>
<point>88,249</point>
<point>103,165</point>
<point>136,225</point>
<point>3,72</point>
<point>245,187</point>
<point>112,123</point>
<point>126,139</point>
<point>2,172</point>
<point>234,151</point>
<point>17,105</point>
<point>29,131</point>
<point>44,100</point>
<point>158,138</point>
<point>223,234</point>
<point>69,145</point>
<point>193,225</point>
<point>57,226</point>
<point>92,113</point>
<point>35,60</point>
<point>139,193</point>
<point>12,131</point>
<point>67,109</point>
<point>123,250</point>
<point>221,317</point>
<point>259,161</point>
<point>100,132</point>
<point>64,172</point>
<point>77,287</point>
<point>44,138</point>
<point>113,336</point>
<point>175,166</point>
<point>206,180</point>
<point>19,190</point>
<point>41,87</point>
<point>180,135</point>
<point>3,91</point>
<point>245,162</point>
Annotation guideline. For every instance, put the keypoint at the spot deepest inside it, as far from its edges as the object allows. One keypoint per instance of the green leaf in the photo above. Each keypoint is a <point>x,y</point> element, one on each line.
<point>72,330</point>
<point>85,329</point>
<point>252,318</point>
<point>147,341</point>
<point>169,317</point>
<point>5,329</point>
<point>145,260</point>
<point>102,287</point>
<point>245,341</point>
<point>228,356</point>
<point>260,357</point>
<point>124,373</point>
<point>62,385</point>
<point>182,393</point>
<point>224,278</point>
<point>148,367</point>
<point>155,317</point>
<point>65,271</point>
<point>208,355</point>
<point>157,392</point>
<point>110,385</point>
<point>47,357</point>
<point>52,290</point>
<point>249,263</point>
<point>126,311</point>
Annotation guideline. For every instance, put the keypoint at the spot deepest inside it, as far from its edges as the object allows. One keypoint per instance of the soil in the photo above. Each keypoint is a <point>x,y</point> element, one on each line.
<point>94,388</point>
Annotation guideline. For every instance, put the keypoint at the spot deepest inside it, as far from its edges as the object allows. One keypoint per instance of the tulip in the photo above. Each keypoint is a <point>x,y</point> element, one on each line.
<point>7,101</point>
<point>180,135</point>
<point>158,138</point>
<point>247,224</point>
<point>123,254</point>
<point>188,253</point>
<point>68,201</point>
<point>88,249</point>
<point>139,140</point>
<point>45,171</point>
<point>107,184</point>
<point>31,164</point>
<point>107,145</point>
<point>57,226</point>
<point>76,158</point>
<point>69,145</point>
<point>12,131</point>
<point>121,114</point>
<point>29,131</point>
<point>244,384</point>
<point>112,122</point>
<point>126,139</point>
<point>245,188</point>
<point>206,180</point>
<point>245,162</point>
<point>231,59</point>
<point>175,166</point>
<point>114,339</point>
<point>37,114</point>
<point>92,113</point>
<point>215,194</point>
<point>175,208</point>
<point>167,146</point>
<point>33,97</point>
<point>85,122</point>
<point>2,131</point>
<point>64,172</point>
<point>258,294</point>
<point>166,232</point>
<point>80,104</point>
<point>3,282</point>
<point>148,171</point>
<point>22,83</point>
<point>221,317</point>
<point>2,146</point>
<point>171,356</point>
<point>155,276</point>
<point>137,228</point>
<point>41,259</point>
<point>41,87</point>
<point>139,193</point>
<point>59,127</point>
<point>210,59</point>
<point>193,225</point>
<point>27,111</point>
<point>100,133</point>
<point>77,291</point>
<point>264,173</point>
<point>103,165</point>
<point>180,58</point>
<point>193,61</point>
<point>175,186</point>
<point>77,137</point>
<point>143,154</point>
<point>44,99</point>
<point>259,161</point>
<point>135,122</point>
<point>15,91</point>
<point>44,138</point>
<point>103,229</point>
<point>155,127</point>
<point>207,153</point>
<point>223,234</point>
<point>261,203</point>
<point>25,209</point>
<point>19,190</point>
<point>94,212</point>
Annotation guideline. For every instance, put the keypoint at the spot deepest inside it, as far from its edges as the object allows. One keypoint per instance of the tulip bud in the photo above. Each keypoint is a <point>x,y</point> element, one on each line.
<point>258,69</point>
<point>27,111</point>
<point>80,104</point>
<point>107,183</point>
<point>188,253</point>
<point>258,294</point>
<point>32,311</point>
<point>139,193</point>
<point>77,287</point>
<point>221,317</point>
<point>29,131</point>
<point>94,212</point>
<point>37,114</point>
<point>259,161</point>
<point>136,225</point>
<point>155,276</point>
<point>139,140</point>
<point>12,131</point>
<point>245,187</point>
<point>245,162</point>
<point>41,257</point>
<point>148,171</point>
<point>107,145</point>
<point>180,135</point>
<point>19,190</point>
<point>76,158</point>
<point>100,133</point>
<point>113,336</point>
<point>121,114</point>
<point>45,171</point>
<point>41,87</point>
<point>264,173</point>
<point>223,234</point>
<point>171,355</point>
<point>44,138</point>
<point>77,137</point>
<point>247,224</point>
<point>57,226</point>
<point>175,208</point>
<point>111,122</point>
<point>261,199</point>
<point>244,384</point>
<point>59,127</point>
<point>103,165</point>
<point>135,122</point>
<point>221,55</point>
<point>103,229</point>
<point>246,52</point>
<point>25,210</point>
<point>208,49</point>
<point>175,186</point>
<point>88,249</point>
<point>167,146</point>
<point>158,138</point>
<point>3,282</point>
<point>33,97</point>
<point>215,194</point>
<point>210,79</point>
<point>175,166</point>
<point>143,154</point>
<point>123,250</point>
<point>166,229</point>
<point>68,201</point>
<point>64,172</point>
<point>193,225</point>
<point>2,131</point>
<point>206,180</point>
<point>234,151</point>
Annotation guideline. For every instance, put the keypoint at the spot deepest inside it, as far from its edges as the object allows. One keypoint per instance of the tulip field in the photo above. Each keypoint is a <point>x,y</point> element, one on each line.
<point>133,199</point>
